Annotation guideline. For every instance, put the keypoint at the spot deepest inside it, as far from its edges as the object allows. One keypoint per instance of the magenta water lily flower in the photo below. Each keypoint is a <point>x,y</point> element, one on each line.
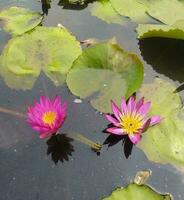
<point>47,116</point>
<point>131,119</point>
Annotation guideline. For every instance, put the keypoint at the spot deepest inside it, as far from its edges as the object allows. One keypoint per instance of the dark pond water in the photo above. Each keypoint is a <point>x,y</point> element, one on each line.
<point>27,172</point>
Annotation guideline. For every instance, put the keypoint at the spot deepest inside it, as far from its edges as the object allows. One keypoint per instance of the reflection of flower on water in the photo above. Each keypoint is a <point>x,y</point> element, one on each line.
<point>131,119</point>
<point>47,116</point>
<point>60,147</point>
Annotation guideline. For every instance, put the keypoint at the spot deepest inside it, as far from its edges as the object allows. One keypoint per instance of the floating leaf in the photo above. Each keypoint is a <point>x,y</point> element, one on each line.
<point>52,50</point>
<point>104,10</point>
<point>19,20</point>
<point>133,9</point>
<point>136,192</point>
<point>163,11</point>
<point>155,30</point>
<point>164,143</point>
<point>103,72</point>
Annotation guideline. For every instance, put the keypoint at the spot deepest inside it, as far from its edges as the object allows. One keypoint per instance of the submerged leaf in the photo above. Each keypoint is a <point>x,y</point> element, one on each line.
<point>19,20</point>
<point>136,192</point>
<point>164,143</point>
<point>104,10</point>
<point>104,72</point>
<point>52,50</point>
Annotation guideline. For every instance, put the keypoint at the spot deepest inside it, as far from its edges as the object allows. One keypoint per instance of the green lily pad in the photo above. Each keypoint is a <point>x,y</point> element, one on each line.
<point>164,143</point>
<point>133,9</point>
<point>136,192</point>
<point>163,11</point>
<point>52,50</point>
<point>103,72</point>
<point>165,31</point>
<point>104,11</point>
<point>19,20</point>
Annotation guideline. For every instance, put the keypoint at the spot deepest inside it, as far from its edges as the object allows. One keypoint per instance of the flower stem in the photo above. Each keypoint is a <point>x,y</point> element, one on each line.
<point>95,146</point>
<point>12,112</point>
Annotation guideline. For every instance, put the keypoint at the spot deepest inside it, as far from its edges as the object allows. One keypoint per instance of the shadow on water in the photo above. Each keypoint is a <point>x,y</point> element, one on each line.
<point>66,4</point>
<point>45,6</point>
<point>165,56</point>
<point>60,147</point>
<point>75,5</point>
<point>111,140</point>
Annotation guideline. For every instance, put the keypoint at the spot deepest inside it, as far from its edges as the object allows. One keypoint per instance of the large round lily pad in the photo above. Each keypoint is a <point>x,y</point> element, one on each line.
<point>136,192</point>
<point>19,20</point>
<point>104,72</point>
<point>52,50</point>
<point>164,143</point>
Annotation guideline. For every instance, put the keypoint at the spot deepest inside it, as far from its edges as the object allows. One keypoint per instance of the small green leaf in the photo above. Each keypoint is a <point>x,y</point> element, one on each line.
<point>136,192</point>
<point>104,11</point>
<point>52,50</point>
<point>19,20</point>
<point>164,143</point>
<point>104,72</point>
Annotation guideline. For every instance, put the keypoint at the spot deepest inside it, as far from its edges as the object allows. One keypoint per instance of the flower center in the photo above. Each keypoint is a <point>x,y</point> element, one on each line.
<point>49,117</point>
<point>131,123</point>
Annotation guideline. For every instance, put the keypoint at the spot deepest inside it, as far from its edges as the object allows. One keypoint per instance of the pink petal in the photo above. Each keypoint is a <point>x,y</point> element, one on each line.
<point>131,104</point>
<point>116,131</point>
<point>42,101</point>
<point>56,101</point>
<point>39,128</point>
<point>140,103</point>
<point>143,110</point>
<point>115,110</point>
<point>124,108</point>
<point>135,138</point>
<point>155,120</point>
<point>45,135</point>
<point>112,120</point>
<point>48,103</point>
<point>145,125</point>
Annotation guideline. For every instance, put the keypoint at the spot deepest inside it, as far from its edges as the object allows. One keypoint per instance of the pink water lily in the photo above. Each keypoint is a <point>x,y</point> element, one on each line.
<point>47,116</point>
<point>131,119</point>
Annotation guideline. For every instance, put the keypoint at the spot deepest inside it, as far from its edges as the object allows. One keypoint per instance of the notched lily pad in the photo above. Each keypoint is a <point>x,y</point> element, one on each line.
<point>104,11</point>
<point>136,192</point>
<point>162,11</point>
<point>52,50</point>
<point>19,20</point>
<point>165,31</point>
<point>164,143</point>
<point>104,72</point>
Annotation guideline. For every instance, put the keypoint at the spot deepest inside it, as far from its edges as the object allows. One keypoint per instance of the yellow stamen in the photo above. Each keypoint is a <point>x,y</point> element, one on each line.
<point>131,123</point>
<point>49,117</point>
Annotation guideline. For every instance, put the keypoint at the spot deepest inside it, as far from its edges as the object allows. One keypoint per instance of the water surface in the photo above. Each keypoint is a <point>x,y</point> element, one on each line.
<point>27,172</point>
